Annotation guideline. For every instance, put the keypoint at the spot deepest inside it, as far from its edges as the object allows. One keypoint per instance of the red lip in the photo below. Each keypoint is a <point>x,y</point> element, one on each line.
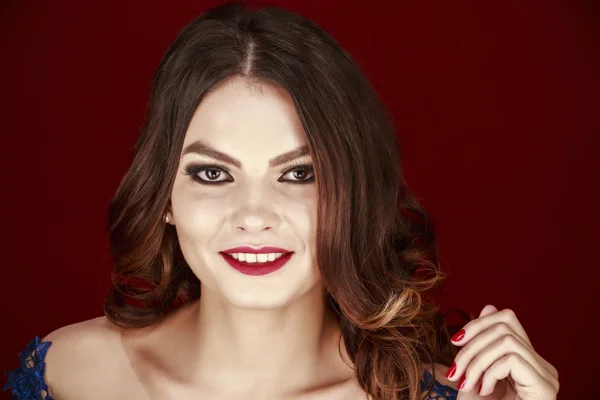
<point>262,250</point>
<point>257,268</point>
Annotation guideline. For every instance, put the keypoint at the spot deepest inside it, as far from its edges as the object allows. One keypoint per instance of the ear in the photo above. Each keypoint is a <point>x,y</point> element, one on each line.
<point>489,309</point>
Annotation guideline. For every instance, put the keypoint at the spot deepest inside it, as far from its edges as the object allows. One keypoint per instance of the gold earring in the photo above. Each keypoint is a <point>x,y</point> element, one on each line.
<point>166,218</point>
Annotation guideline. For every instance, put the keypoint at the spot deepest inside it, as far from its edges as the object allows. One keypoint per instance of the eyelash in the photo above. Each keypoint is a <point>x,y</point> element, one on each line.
<point>194,169</point>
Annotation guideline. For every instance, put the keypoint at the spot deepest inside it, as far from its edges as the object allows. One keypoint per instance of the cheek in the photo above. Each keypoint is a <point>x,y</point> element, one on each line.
<point>300,208</point>
<point>302,214</point>
<point>198,216</point>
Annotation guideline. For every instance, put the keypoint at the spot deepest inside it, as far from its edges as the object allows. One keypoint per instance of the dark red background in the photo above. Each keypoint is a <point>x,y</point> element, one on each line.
<point>496,104</point>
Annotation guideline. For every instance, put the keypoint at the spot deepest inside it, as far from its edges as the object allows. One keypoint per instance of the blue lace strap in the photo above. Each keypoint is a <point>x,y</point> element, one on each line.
<point>27,381</point>
<point>439,391</point>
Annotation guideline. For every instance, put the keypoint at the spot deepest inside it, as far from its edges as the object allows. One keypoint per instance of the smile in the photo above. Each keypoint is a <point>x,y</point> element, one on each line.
<point>256,257</point>
<point>256,264</point>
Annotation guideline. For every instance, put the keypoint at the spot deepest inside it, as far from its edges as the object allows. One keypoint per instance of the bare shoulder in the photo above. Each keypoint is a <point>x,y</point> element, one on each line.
<point>86,360</point>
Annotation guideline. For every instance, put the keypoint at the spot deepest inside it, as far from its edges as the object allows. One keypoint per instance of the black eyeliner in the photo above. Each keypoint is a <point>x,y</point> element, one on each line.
<point>301,167</point>
<point>193,169</point>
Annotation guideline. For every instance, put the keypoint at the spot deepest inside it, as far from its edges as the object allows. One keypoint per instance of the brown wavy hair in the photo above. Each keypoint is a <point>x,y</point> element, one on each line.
<point>375,244</point>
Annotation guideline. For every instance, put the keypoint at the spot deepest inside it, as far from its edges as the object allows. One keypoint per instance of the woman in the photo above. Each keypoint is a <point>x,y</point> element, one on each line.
<point>266,246</point>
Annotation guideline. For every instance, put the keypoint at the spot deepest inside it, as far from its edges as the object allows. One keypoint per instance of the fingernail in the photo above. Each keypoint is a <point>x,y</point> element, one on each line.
<point>462,382</point>
<point>451,371</point>
<point>459,335</point>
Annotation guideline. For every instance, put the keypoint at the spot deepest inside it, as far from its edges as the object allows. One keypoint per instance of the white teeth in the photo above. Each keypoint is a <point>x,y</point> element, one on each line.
<point>256,258</point>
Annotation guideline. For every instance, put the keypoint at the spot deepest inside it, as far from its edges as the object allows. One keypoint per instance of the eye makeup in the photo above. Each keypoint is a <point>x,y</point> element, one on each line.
<point>193,169</point>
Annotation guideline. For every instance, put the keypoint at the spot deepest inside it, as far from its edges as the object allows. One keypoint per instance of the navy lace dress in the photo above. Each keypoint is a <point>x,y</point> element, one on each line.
<point>27,381</point>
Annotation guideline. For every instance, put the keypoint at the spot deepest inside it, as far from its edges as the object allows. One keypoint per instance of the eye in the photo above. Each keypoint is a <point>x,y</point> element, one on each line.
<point>300,174</point>
<point>208,174</point>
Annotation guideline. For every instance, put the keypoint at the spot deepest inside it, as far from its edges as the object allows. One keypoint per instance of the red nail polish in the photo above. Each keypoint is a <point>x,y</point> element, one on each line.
<point>451,371</point>
<point>462,382</point>
<point>459,335</point>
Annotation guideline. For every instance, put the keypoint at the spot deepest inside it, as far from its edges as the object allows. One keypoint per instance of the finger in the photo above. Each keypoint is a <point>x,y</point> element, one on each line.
<point>490,309</point>
<point>490,317</point>
<point>551,368</point>
<point>491,345</point>
<point>478,325</point>
<point>476,345</point>
<point>528,383</point>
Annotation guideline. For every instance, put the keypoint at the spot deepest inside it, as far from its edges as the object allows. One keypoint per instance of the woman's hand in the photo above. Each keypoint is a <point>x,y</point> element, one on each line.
<point>498,357</point>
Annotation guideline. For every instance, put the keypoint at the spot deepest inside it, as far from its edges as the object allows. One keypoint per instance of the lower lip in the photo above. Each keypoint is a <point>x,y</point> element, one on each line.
<point>257,268</point>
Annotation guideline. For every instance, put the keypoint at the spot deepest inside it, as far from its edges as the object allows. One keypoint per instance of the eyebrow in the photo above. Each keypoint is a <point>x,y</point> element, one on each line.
<point>199,147</point>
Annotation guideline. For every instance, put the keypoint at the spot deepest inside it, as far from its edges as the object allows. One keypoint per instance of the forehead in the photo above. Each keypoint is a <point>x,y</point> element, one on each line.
<point>239,117</point>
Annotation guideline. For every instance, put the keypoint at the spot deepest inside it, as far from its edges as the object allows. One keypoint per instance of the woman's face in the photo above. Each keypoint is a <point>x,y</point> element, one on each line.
<point>267,199</point>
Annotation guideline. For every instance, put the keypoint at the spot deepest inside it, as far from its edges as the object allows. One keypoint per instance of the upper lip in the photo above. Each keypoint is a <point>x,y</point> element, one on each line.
<point>260,250</point>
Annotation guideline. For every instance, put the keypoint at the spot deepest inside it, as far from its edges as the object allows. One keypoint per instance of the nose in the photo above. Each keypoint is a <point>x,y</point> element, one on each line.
<point>255,212</point>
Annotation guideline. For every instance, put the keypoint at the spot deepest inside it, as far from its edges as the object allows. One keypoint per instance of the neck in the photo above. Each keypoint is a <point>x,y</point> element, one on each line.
<point>275,350</point>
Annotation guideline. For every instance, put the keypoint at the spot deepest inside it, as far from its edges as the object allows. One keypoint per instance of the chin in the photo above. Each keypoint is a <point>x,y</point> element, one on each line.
<point>276,290</point>
<point>258,300</point>
<point>247,294</point>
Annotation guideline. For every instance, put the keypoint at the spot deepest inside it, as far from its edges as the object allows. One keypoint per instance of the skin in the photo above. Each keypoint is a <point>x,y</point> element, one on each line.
<point>256,337</point>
